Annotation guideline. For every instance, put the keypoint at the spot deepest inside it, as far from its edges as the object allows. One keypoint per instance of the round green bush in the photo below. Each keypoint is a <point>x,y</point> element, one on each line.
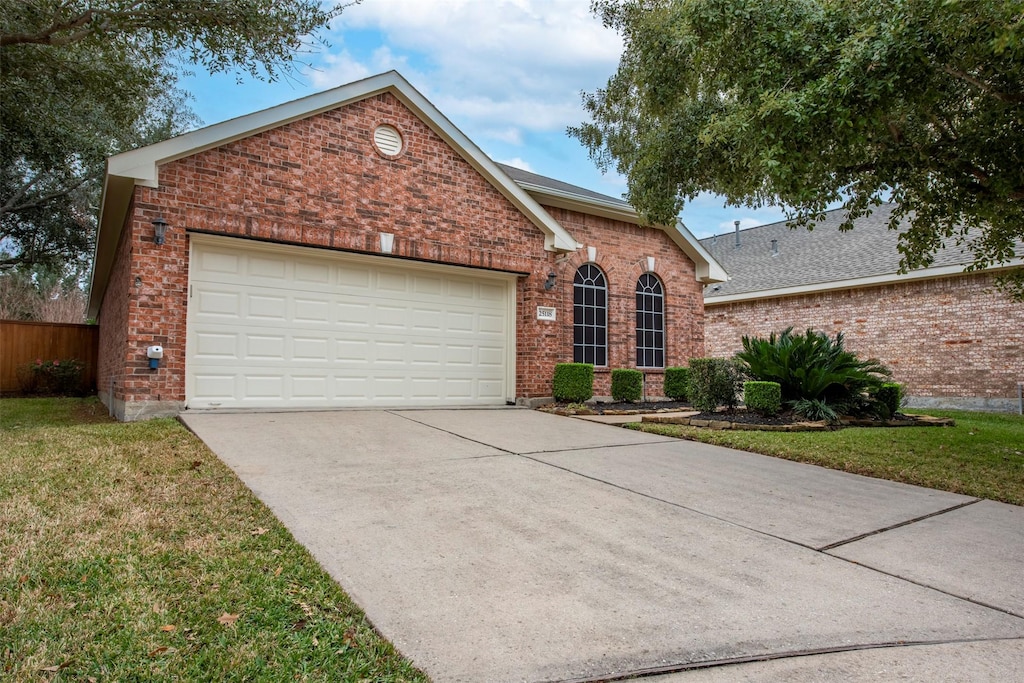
<point>627,385</point>
<point>764,398</point>
<point>573,382</point>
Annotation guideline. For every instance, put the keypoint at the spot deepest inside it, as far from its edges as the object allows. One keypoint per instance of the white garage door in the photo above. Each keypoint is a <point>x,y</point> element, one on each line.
<point>272,326</point>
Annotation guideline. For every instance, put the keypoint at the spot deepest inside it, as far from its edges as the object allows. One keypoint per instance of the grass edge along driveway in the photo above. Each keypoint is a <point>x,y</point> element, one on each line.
<point>130,552</point>
<point>982,456</point>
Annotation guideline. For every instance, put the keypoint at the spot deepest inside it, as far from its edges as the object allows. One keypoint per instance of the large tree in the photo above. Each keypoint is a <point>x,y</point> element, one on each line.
<point>84,79</point>
<point>807,104</point>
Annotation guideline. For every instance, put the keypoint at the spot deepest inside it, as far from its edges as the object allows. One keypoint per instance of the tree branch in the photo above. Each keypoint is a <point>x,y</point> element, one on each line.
<point>11,207</point>
<point>1012,98</point>
<point>46,36</point>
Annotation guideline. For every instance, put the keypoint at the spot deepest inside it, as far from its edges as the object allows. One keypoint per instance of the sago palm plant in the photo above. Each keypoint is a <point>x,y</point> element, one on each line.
<point>814,367</point>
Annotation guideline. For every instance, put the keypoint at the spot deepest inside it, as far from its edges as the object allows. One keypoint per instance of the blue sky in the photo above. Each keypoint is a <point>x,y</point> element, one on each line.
<point>508,73</point>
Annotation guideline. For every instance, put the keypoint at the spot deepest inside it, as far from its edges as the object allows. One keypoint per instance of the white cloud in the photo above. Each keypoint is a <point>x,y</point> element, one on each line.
<point>510,135</point>
<point>496,63</point>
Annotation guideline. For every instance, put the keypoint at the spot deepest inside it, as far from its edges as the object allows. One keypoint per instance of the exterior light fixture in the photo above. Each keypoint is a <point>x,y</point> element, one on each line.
<point>159,229</point>
<point>550,282</point>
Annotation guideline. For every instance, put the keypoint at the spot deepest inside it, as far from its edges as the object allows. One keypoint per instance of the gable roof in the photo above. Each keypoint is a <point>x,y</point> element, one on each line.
<point>551,192</point>
<point>820,259</point>
<point>142,167</point>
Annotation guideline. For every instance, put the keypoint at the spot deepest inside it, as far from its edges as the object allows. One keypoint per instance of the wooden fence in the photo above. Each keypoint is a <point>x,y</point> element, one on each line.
<point>25,342</point>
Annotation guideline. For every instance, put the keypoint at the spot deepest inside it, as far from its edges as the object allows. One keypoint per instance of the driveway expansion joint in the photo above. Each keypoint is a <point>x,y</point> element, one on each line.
<point>450,433</point>
<point>860,537</point>
<point>753,659</point>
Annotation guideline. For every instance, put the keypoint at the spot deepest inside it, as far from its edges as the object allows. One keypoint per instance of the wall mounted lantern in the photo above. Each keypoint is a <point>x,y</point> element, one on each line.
<point>550,282</point>
<point>159,229</point>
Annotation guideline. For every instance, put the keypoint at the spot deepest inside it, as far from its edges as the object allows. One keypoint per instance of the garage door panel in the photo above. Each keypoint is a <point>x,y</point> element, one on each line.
<point>266,268</point>
<point>328,331</point>
<point>219,303</point>
<point>215,387</point>
<point>311,349</point>
<point>311,387</point>
<point>315,311</point>
<point>266,308</point>
<point>217,345</point>
<point>311,273</point>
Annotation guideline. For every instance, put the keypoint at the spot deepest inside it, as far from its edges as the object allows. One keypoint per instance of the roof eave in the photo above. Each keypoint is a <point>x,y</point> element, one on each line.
<point>114,202</point>
<point>708,270</point>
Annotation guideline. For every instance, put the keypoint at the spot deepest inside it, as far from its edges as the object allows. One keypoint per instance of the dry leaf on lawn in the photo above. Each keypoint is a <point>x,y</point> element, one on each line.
<point>259,531</point>
<point>228,619</point>
<point>168,627</point>
<point>277,572</point>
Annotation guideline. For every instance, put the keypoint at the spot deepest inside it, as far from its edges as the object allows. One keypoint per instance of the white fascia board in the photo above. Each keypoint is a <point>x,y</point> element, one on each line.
<point>854,283</point>
<point>708,270</point>
<point>143,164</point>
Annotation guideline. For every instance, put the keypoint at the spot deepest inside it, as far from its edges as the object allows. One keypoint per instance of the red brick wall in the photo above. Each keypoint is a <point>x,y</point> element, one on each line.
<point>320,182</point>
<point>949,337</point>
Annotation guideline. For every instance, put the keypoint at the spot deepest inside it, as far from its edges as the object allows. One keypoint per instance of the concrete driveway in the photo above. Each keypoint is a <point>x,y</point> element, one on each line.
<point>512,545</point>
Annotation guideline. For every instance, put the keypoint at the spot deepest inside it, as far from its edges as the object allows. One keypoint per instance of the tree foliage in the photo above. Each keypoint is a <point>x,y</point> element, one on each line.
<point>85,79</point>
<point>808,103</point>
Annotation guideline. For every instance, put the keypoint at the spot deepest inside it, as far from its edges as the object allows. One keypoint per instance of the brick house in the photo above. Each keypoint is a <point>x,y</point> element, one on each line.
<point>948,336</point>
<point>354,248</point>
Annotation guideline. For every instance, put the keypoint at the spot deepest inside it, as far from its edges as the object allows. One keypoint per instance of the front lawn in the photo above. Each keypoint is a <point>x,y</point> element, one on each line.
<point>983,455</point>
<point>130,552</point>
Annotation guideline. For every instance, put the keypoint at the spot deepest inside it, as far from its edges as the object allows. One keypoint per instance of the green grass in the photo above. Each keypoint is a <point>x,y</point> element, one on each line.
<point>983,455</point>
<point>123,547</point>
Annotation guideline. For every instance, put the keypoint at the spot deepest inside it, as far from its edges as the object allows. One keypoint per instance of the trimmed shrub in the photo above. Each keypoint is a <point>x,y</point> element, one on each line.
<point>890,397</point>
<point>714,382</point>
<point>764,398</point>
<point>573,382</point>
<point>627,385</point>
<point>677,383</point>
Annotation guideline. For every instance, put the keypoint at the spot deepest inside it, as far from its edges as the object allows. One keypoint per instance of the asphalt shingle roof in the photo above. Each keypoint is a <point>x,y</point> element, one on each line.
<point>526,177</point>
<point>819,256</point>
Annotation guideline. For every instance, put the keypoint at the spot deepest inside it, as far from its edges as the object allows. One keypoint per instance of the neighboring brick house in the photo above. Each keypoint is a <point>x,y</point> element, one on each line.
<point>948,336</point>
<point>354,248</point>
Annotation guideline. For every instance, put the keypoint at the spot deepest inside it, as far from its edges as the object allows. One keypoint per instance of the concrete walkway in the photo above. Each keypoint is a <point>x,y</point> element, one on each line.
<point>512,545</point>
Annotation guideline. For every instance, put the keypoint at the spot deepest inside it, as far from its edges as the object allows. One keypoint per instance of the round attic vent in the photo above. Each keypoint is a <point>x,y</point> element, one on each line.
<point>388,140</point>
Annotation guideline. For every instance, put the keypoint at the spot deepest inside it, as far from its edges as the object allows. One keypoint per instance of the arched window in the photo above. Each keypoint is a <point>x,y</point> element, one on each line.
<point>590,316</point>
<point>650,322</point>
